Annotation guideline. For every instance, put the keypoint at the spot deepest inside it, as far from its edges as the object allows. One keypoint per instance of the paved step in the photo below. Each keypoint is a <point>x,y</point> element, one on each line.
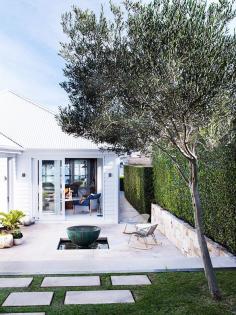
<point>79,281</point>
<point>28,299</point>
<point>15,282</point>
<point>130,280</point>
<point>99,297</point>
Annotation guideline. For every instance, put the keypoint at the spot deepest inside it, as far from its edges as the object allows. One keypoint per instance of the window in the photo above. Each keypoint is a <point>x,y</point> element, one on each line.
<point>80,176</point>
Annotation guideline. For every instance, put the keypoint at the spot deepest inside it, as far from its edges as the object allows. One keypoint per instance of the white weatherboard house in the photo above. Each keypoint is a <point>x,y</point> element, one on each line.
<point>45,172</point>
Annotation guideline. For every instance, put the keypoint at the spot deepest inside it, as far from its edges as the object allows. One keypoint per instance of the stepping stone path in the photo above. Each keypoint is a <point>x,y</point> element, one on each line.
<point>22,313</point>
<point>71,281</point>
<point>99,297</point>
<point>28,299</point>
<point>15,282</point>
<point>72,297</point>
<point>130,280</point>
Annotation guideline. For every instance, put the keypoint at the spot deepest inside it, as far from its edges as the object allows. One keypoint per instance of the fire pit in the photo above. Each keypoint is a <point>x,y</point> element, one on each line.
<point>83,235</point>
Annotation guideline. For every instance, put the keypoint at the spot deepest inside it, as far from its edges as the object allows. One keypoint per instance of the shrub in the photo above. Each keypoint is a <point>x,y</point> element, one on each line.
<point>217,185</point>
<point>17,234</point>
<point>138,184</point>
<point>11,220</point>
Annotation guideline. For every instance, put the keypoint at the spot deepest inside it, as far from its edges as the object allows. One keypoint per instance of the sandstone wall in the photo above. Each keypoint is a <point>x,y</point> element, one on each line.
<point>182,235</point>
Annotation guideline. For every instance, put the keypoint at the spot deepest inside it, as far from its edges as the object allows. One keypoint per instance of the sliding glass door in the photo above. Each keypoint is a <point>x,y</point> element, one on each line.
<point>51,187</point>
<point>60,180</point>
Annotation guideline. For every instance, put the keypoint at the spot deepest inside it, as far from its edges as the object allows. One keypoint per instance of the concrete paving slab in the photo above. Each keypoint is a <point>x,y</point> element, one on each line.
<point>99,297</point>
<point>28,299</point>
<point>23,313</point>
<point>71,281</point>
<point>130,280</point>
<point>15,282</point>
<point>33,257</point>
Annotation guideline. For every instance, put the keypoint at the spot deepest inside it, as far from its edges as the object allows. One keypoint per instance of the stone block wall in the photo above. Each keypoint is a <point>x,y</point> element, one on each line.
<point>182,235</point>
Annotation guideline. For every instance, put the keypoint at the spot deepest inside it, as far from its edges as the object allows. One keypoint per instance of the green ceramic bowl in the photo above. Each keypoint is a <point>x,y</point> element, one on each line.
<point>83,235</point>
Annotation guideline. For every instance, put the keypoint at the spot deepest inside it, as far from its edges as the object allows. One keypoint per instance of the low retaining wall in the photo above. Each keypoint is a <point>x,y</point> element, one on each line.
<point>182,235</point>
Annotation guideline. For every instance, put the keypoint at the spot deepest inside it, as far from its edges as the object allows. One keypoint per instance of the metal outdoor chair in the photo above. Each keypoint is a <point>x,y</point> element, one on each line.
<point>144,234</point>
<point>138,219</point>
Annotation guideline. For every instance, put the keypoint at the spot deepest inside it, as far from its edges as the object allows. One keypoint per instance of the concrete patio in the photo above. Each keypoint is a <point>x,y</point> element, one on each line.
<point>39,255</point>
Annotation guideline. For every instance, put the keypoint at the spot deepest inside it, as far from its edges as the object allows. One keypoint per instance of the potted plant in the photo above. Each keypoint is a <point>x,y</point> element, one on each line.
<point>10,223</point>
<point>17,237</point>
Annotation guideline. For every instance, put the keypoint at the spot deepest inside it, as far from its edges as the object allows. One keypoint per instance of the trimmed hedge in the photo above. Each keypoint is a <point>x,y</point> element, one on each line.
<point>217,185</point>
<point>138,184</point>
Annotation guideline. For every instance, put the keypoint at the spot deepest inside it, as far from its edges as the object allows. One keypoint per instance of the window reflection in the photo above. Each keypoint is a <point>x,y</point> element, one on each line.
<point>51,186</point>
<point>80,177</point>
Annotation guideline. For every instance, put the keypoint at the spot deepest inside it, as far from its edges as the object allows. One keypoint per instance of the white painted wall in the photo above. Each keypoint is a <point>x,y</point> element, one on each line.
<point>23,184</point>
<point>111,188</point>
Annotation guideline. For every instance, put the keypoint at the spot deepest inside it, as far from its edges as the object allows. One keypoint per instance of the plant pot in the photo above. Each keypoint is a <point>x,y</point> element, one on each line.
<point>6,240</point>
<point>27,220</point>
<point>18,241</point>
<point>83,235</point>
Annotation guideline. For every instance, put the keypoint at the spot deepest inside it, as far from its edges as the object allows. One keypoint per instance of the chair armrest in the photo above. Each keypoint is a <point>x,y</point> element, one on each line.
<point>141,226</point>
<point>144,230</point>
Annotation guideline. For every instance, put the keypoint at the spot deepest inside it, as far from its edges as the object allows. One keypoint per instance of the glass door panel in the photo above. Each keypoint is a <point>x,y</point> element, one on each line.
<point>80,176</point>
<point>51,186</point>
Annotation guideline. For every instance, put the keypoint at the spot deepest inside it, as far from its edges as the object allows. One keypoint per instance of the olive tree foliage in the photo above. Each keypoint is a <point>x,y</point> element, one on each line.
<point>158,74</point>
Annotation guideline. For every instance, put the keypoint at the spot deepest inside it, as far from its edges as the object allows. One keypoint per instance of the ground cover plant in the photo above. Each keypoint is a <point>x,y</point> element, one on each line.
<point>170,293</point>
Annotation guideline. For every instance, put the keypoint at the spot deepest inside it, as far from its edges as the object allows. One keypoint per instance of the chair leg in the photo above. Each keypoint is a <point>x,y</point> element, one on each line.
<point>98,206</point>
<point>130,238</point>
<point>145,242</point>
<point>125,228</point>
<point>154,238</point>
<point>144,239</point>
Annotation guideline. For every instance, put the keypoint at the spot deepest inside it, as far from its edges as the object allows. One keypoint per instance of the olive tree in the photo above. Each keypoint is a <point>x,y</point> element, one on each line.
<point>155,74</point>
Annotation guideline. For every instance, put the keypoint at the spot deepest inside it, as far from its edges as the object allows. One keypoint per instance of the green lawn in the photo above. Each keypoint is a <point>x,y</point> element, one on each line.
<point>170,293</point>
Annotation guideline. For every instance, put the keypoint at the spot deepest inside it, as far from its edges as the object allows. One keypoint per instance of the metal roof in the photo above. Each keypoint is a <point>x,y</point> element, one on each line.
<point>32,126</point>
<point>7,145</point>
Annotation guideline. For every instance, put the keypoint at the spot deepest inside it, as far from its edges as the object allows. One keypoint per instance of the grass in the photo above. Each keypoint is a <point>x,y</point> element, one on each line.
<point>170,293</point>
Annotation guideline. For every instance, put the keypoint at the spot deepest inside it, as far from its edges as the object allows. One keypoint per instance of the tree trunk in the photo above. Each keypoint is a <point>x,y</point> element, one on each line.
<point>208,268</point>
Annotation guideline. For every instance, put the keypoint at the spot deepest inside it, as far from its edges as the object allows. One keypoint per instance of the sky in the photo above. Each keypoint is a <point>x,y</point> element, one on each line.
<point>30,33</point>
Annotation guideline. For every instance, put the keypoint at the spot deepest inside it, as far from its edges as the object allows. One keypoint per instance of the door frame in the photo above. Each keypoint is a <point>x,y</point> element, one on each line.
<point>40,213</point>
<point>10,183</point>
